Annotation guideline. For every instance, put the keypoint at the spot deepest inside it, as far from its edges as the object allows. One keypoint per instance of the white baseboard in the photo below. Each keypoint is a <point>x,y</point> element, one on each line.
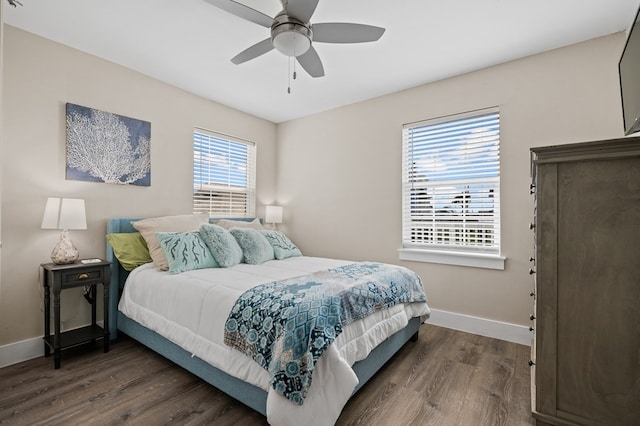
<point>482,326</point>
<point>14,353</point>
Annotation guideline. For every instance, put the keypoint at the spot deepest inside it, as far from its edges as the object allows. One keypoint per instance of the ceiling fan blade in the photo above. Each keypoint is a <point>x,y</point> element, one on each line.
<point>311,63</point>
<point>301,9</point>
<point>343,32</point>
<point>242,11</point>
<point>253,52</point>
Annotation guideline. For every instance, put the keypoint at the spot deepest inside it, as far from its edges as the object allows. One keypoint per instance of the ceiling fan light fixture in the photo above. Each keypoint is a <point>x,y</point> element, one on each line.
<point>291,38</point>
<point>293,35</point>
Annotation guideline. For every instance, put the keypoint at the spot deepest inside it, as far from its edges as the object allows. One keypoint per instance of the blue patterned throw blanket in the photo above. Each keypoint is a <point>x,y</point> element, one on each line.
<point>287,325</point>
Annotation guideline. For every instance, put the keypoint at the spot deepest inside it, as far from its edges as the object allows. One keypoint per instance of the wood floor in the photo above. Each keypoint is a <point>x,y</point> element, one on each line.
<point>445,378</point>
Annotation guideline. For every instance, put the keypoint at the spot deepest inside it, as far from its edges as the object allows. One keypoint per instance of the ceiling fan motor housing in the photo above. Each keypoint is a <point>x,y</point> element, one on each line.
<point>290,36</point>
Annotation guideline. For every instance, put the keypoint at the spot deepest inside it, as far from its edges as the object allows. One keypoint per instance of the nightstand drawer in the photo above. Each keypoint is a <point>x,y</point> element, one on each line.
<point>86,276</point>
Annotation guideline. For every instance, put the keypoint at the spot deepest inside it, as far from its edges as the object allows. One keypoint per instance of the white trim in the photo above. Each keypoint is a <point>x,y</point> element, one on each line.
<point>24,350</point>
<point>14,353</point>
<point>476,260</point>
<point>484,327</point>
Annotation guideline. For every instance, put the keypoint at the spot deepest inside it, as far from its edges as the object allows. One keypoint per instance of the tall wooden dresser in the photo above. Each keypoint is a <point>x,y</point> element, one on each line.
<point>586,318</point>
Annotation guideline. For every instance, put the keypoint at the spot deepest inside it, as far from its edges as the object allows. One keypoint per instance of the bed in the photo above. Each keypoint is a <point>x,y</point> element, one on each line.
<point>339,373</point>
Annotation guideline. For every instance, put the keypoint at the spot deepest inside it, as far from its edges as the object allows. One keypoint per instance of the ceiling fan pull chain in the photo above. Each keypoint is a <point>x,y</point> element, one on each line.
<point>289,75</point>
<point>294,57</point>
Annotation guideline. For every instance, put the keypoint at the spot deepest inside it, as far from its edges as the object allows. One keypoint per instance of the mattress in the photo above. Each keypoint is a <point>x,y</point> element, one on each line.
<point>190,310</point>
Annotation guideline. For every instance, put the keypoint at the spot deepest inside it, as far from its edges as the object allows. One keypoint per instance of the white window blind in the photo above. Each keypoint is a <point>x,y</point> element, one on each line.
<point>451,183</point>
<point>224,177</point>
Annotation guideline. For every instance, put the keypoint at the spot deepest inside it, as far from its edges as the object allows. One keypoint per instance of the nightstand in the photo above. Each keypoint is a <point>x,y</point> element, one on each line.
<point>59,277</point>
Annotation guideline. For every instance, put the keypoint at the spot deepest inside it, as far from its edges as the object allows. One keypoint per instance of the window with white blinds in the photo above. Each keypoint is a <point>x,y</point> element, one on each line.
<point>224,176</point>
<point>451,184</point>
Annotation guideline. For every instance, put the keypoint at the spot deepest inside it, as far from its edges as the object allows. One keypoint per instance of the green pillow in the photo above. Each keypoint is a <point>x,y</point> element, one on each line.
<point>282,246</point>
<point>222,245</point>
<point>255,247</point>
<point>130,249</point>
<point>185,251</point>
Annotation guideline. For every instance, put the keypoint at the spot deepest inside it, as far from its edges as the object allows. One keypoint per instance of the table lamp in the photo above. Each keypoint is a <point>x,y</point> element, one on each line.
<point>273,215</point>
<point>64,214</point>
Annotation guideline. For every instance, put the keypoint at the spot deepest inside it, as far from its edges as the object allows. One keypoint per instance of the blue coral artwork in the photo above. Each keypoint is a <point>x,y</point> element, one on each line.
<point>106,147</point>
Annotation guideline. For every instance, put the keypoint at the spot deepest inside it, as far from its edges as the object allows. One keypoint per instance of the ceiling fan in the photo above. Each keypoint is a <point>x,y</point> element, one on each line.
<point>293,35</point>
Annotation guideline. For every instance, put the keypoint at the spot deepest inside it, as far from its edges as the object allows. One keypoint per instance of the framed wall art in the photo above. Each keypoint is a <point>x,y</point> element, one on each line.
<point>106,147</point>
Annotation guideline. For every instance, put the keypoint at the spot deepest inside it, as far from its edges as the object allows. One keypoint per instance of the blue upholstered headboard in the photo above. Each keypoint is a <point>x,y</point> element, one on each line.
<point>118,274</point>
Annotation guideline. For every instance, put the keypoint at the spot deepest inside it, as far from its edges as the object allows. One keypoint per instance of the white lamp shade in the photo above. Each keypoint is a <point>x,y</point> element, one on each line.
<point>51,213</point>
<point>64,213</point>
<point>273,214</point>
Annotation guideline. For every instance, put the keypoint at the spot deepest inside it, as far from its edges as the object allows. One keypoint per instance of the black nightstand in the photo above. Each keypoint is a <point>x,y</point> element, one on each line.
<point>60,277</point>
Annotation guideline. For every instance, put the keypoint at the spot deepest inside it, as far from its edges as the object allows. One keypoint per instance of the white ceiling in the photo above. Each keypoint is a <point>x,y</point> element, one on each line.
<point>189,43</point>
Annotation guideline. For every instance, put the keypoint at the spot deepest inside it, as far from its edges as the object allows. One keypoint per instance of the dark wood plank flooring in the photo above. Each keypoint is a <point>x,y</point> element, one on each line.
<point>446,378</point>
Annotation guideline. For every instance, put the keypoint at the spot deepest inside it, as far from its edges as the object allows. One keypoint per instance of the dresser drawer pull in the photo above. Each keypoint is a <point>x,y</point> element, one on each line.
<point>83,276</point>
<point>531,363</point>
<point>532,317</point>
<point>532,271</point>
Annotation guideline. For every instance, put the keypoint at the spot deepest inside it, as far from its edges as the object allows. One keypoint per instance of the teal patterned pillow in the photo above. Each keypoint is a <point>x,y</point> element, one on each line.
<point>222,245</point>
<point>185,251</point>
<point>255,247</point>
<point>282,246</point>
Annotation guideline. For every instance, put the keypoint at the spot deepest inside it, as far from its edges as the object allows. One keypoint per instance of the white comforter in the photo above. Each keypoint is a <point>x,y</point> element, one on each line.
<point>190,309</point>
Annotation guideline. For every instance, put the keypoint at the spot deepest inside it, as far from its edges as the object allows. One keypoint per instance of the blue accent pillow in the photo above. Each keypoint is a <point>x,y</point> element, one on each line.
<point>282,246</point>
<point>222,245</point>
<point>185,251</point>
<point>255,247</point>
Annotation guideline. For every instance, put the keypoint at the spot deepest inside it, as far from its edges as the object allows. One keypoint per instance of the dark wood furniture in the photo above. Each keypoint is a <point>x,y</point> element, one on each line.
<point>59,277</point>
<point>586,320</point>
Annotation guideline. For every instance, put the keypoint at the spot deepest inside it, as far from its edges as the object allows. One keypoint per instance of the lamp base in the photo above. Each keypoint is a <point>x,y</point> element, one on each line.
<point>64,252</point>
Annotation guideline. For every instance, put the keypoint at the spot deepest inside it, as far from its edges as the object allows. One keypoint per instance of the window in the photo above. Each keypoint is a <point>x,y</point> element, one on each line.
<point>223,175</point>
<point>451,190</point>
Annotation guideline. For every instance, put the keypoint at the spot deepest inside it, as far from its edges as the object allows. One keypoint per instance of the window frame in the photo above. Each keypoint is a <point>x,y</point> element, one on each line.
<point>454,240</point>
<point>232,152</point>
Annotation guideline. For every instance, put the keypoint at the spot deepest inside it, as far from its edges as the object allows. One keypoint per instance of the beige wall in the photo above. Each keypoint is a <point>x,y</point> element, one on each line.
<point>339,172</point>
<point>39,78</point>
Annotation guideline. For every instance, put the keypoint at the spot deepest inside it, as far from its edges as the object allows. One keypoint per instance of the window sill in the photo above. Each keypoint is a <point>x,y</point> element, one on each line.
<point>475,260</point>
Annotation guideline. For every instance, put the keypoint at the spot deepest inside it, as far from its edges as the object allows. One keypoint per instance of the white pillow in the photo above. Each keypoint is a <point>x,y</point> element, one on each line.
<point>229,223</point>
<point>178,223</point>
